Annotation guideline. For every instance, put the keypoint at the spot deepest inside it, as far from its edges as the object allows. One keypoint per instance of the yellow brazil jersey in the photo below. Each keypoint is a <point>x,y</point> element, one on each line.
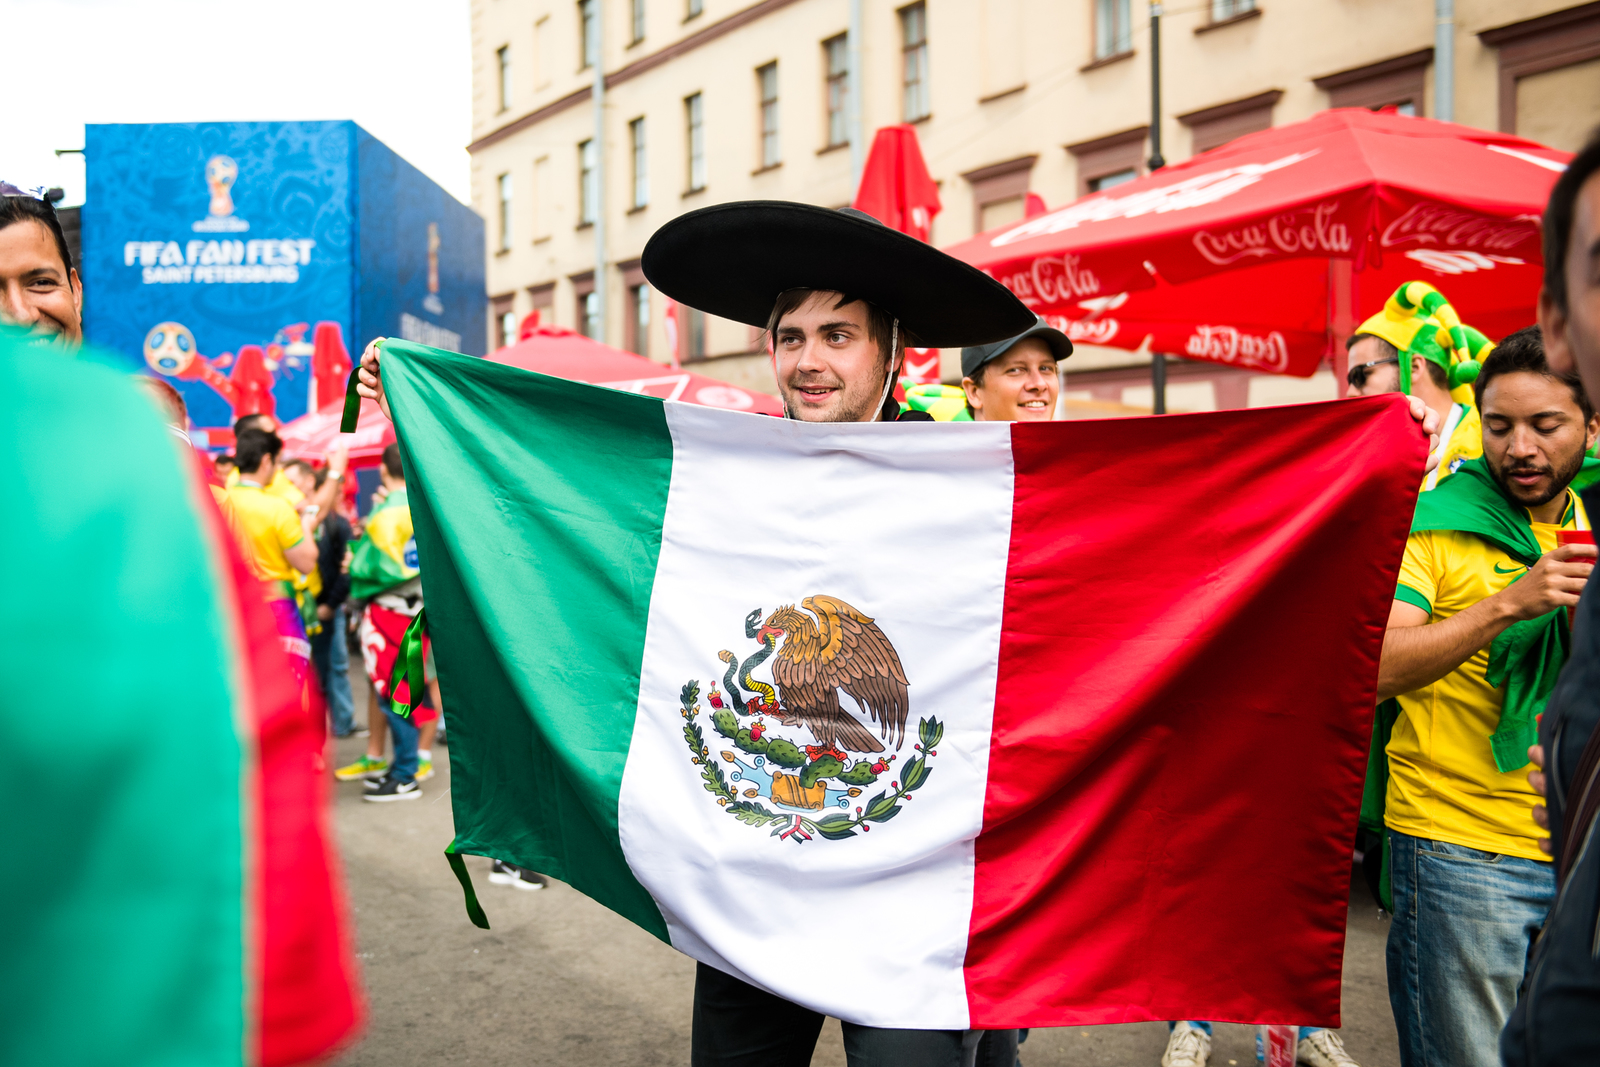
<point>1443,782</point>
<point>280,486</point>
<point>1461,439</point>
<point>265,527</point>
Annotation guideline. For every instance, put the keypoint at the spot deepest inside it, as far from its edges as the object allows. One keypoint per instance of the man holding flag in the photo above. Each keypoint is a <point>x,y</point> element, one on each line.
<point>615,554</point>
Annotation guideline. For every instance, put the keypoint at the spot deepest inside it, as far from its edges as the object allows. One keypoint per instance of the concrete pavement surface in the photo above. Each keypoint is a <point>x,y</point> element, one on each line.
<point>561,980</point>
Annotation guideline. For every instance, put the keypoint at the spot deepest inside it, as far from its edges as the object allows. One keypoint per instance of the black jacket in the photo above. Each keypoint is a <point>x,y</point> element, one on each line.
<point>1557,1019</point>
<point>333,536</point>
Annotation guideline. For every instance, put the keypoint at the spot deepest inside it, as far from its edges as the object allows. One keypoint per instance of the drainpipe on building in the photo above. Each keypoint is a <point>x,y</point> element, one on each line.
<point>600,169</point>
<point>853,116</point>
<point>1158,360</point>
<point>1444,60</point>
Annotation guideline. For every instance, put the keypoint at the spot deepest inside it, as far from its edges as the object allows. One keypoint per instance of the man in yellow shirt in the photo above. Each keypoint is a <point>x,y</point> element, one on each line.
<point>1476,635</point>
<point>271,537</point>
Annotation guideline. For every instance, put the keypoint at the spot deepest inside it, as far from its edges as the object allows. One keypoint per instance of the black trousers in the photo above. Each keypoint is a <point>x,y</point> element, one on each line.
<point>738,1025</point>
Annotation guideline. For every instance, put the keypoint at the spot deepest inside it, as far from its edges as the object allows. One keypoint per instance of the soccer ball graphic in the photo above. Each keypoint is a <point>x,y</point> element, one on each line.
<point>169,348</point>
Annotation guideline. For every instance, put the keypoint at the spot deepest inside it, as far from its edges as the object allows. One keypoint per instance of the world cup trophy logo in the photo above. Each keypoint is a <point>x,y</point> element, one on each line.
<point>432,301</point>
<point>220,174</point>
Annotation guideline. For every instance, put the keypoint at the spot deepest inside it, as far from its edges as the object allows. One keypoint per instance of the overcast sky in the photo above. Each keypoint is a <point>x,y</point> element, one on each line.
<point>400,68</point>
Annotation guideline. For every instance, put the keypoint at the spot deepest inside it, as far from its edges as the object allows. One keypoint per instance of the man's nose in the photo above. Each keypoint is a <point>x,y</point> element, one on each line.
<point>14,309</point>
<point>1524,442</point>
<point>811,357</point>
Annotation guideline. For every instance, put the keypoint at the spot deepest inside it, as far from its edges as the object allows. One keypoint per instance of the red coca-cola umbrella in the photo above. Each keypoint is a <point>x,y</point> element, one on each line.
<point>1265,252</point>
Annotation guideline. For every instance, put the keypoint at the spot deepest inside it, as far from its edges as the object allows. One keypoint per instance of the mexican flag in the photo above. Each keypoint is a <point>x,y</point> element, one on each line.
<point>936,725</point>
<point>171,895</point>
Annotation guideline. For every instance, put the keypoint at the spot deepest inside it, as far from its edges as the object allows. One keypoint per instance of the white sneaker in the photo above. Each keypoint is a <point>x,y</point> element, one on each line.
<point>1189,1046</point>
<point>1323,1049</point>
<point>515,877</point>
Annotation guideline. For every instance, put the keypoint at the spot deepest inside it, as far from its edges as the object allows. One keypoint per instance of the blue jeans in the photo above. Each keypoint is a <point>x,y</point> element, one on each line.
<point>330,651</point>
<point>1463,923</point>
<point>404,733</point>
<point>1261,1053</point>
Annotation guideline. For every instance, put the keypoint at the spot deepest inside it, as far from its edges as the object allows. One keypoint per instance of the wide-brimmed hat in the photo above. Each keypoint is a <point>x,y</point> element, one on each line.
<point>976,356</point>
<point>733,260</point>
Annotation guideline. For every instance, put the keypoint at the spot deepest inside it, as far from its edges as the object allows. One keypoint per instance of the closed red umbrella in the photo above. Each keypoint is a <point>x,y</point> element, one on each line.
<point>1263,252</point>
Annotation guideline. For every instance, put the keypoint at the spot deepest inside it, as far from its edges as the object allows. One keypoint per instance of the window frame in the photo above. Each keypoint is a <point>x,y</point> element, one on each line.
<point>639,156</point>
<point>694,131</point>
<point>693,9</point>
<point>587,34</point>
<point>915,92</point>
<point>636,21</point>
<point>504,190</point>
<point>1221,11</point>
<point>503,57</point>
<point>836,90</point>
<point>1111,46</point>
<point>769,140</point>
<point>588,186</point>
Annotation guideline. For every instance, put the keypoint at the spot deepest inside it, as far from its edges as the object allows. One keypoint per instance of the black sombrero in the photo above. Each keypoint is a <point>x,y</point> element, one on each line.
<point>734,259</point>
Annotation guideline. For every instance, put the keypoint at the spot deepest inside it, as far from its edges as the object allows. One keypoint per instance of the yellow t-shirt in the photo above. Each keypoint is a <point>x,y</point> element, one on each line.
<point>280,486</point>
<point>1443,782</point>
<point>265,527</point>
<point>1464,442</point>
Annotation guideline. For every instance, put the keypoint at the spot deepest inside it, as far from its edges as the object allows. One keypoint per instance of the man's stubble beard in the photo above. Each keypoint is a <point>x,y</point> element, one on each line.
<point>853,406</point>
<point>1562,477</point>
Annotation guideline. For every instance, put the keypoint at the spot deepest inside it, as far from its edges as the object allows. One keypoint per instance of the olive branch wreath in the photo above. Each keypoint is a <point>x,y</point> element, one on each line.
<point>835,827</point>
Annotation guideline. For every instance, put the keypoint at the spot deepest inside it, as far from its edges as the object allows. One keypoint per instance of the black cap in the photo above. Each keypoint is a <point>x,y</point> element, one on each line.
<point>734,260</point>
<point>976,356</point>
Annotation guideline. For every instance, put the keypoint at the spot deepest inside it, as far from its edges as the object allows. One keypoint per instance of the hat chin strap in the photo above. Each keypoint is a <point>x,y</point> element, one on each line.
<point>888,378</point>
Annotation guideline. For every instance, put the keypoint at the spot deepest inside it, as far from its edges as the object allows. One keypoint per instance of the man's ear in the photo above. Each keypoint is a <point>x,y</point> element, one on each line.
<point>1593,432</point>
<point>1553,328</point>
<point>77,290</point>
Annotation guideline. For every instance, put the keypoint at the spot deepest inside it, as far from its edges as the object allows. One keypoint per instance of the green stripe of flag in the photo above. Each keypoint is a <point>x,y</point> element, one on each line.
<point>510,517</point>
<point>122,924</point>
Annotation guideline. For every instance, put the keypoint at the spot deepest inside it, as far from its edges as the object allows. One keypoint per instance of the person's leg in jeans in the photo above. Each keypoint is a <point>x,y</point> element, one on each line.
<point>334,669</point>
<point>738,1025</point>
<point>1463,921</point>
<point>404,731</point>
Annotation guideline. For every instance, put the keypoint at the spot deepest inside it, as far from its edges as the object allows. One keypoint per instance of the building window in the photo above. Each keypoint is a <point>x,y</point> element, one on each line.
<point>504,183</point>
<point>588,183</point>
<point>1113,28</point>
<point>1396,82</point>
<point>1115,178</point>
<point>1213,126</point>
<point>589,314</point>
<point>638,331</point>
<point>505,320</point>
<point>767,83</point>
<point>692,9</point>
<point>641,165</point>
<point>695,135</point>
<point>838,53</point>
<point>1227,9</point>
<point>1000,192</point>
<point>503,56</point>
<point>588,35</point>
<point>636,22</point>
<point>694,332</point>
<point>914,61</point>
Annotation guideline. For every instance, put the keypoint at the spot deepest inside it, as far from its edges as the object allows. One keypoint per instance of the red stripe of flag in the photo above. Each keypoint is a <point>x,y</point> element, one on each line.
<point>1187,675</point>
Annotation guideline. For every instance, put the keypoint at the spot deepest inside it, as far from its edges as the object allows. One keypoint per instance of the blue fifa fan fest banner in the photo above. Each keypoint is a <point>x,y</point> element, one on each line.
<point>247,263</point>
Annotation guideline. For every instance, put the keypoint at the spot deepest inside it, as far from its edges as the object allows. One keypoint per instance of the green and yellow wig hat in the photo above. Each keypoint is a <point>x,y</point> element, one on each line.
<point>1419,321</point>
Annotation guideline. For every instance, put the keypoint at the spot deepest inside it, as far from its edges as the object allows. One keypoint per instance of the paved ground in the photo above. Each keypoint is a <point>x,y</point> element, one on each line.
<point>561,980</point>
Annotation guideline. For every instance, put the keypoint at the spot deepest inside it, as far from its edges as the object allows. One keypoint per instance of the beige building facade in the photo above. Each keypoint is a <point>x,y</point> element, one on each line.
<point>708,101</point>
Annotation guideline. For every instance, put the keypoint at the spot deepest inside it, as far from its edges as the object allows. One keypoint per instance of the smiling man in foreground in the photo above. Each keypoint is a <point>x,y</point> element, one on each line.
<point>1479,618</point>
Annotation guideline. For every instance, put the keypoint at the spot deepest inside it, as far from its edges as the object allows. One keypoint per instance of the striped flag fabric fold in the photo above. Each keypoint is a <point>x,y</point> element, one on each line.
<point>936,725</point>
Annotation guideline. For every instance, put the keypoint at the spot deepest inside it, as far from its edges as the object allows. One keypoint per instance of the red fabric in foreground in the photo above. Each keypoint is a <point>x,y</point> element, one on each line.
<point>1188,665</point>
<point>305,976</point>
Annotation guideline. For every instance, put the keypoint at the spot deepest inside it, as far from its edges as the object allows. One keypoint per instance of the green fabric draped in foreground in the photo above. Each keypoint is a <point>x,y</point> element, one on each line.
<point>1527,656</point>
<point>537,506</point>
<point>122,924</point>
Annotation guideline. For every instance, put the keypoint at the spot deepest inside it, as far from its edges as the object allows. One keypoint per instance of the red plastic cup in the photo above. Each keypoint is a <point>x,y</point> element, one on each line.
<point>1574,537</point>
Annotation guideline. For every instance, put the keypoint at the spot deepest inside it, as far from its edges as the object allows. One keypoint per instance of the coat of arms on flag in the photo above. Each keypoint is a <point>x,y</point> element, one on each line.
<point>815,759</point>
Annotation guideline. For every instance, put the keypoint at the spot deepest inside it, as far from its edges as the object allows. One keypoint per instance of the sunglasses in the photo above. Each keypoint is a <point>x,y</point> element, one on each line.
<point>1357,376</point>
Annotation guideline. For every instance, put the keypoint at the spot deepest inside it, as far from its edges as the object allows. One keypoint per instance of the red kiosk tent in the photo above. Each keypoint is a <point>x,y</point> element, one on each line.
<point>552,350</point>
<point>1266,252</point>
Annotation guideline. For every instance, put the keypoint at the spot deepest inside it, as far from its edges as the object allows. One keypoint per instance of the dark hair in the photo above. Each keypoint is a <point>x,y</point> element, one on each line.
<point>244,422</point>
<point>880,324</point>
<point>1524,351</point>
<point>391,462</point>
<point>312,472</point>
<point>253,446</point>
<point>1558,218</point>
<point>20,208</point>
